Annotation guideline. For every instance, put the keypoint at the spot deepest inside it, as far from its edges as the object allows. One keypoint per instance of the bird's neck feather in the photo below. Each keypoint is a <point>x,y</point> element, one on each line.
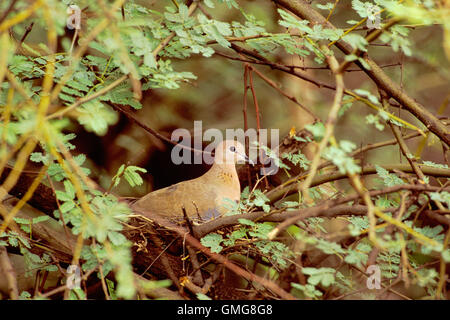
<point>224,170</point>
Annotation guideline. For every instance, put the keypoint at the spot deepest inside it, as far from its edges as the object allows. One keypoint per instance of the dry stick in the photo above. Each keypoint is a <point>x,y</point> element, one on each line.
<point>292,71</point>
<point>24,14</point>
<point>64,287</point>
<point>8,10</point>
<point>372,36</point>
<point>277,192</point>
<point>281,67</point>
<point>217,257</point>
<point>102,280</point>
<point>258,123</point>
<point>198,278</point>
<point>9,274</point>
<point>303,9</point>
<point>25,35</point>
<point>290,97</point>
<point>383,66</point>
<point>158,256</point>
<point>268,63</point>
<point>156,134</point>
<point>100,269</point>
<point>439,217</point>
<point>244,111</point>
<point>329,125</point>
<point>294,66</point>
<point>401,142</point>
<point>323,209</point>
<point>368,169</point>
<point>375,250</point>
<point>406,152</point>
<point>371,208</point>
<point>165,261</point>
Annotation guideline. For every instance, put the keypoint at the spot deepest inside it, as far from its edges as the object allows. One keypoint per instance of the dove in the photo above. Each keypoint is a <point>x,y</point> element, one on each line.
<point>204,197</point>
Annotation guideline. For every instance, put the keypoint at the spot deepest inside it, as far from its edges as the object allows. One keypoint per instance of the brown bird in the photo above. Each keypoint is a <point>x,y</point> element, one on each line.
<point>204,196</point>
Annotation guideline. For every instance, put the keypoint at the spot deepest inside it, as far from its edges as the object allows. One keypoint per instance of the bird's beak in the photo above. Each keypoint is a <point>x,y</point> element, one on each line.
<point>244,157</point>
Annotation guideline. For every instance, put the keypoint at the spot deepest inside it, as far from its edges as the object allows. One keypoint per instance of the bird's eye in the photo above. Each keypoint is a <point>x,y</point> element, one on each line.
<point>232,148</point>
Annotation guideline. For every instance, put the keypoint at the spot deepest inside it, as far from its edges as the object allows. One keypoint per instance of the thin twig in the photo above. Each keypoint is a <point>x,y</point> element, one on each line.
<point>8,10</point>
<point>329,125</point>
<point>290,97</point>
<point>9,274</point>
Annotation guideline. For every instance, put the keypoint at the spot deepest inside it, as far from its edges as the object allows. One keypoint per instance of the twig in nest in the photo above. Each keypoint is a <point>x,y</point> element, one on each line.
<point>9,274</point>
<point>198,278</point>
<point>270,285</point>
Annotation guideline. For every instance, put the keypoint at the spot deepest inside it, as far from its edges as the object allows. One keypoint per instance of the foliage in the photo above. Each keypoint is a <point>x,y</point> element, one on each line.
<point>68,84</point>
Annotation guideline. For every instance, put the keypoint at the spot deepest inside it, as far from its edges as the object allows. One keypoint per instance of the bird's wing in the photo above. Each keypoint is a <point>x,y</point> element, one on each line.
<point>195,195</point>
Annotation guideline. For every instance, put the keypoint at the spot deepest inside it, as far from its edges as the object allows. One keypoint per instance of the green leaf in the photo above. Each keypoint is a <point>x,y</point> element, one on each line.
<point>372,98</point>
<point>132,176</point>
<point>247,222</point>
<point>201,296</point>
<point>39,157</point>
<point>338,155</point>
<point>375,120</point>
<point>77,294</point>
<point>446,255</point>
<point>289,21</point>
<point>111,290</point>
<point>63,196</point>
<point>435,165</point>
<point>22,220</point>
<point>358,256</point>
<point>67,206</point>
<point>235,235</point>
<point>212,241</point>
<point>356,41</point>
<point>209,3</point>
<point>308,290</point>
<point>324,276</point>
<point>362,8</point>
<point>117,238</point>
<point>388,178</point>
<point>327,6</point>
<point>317,129</point>
<point>40,219</point>
<point>297,159</point>
<point>329,247</point>
<point>442,196</point>
<point>96,117</point>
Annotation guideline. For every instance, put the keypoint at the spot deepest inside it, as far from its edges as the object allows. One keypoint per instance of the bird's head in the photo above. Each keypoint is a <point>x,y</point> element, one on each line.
<point>230,152</point>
